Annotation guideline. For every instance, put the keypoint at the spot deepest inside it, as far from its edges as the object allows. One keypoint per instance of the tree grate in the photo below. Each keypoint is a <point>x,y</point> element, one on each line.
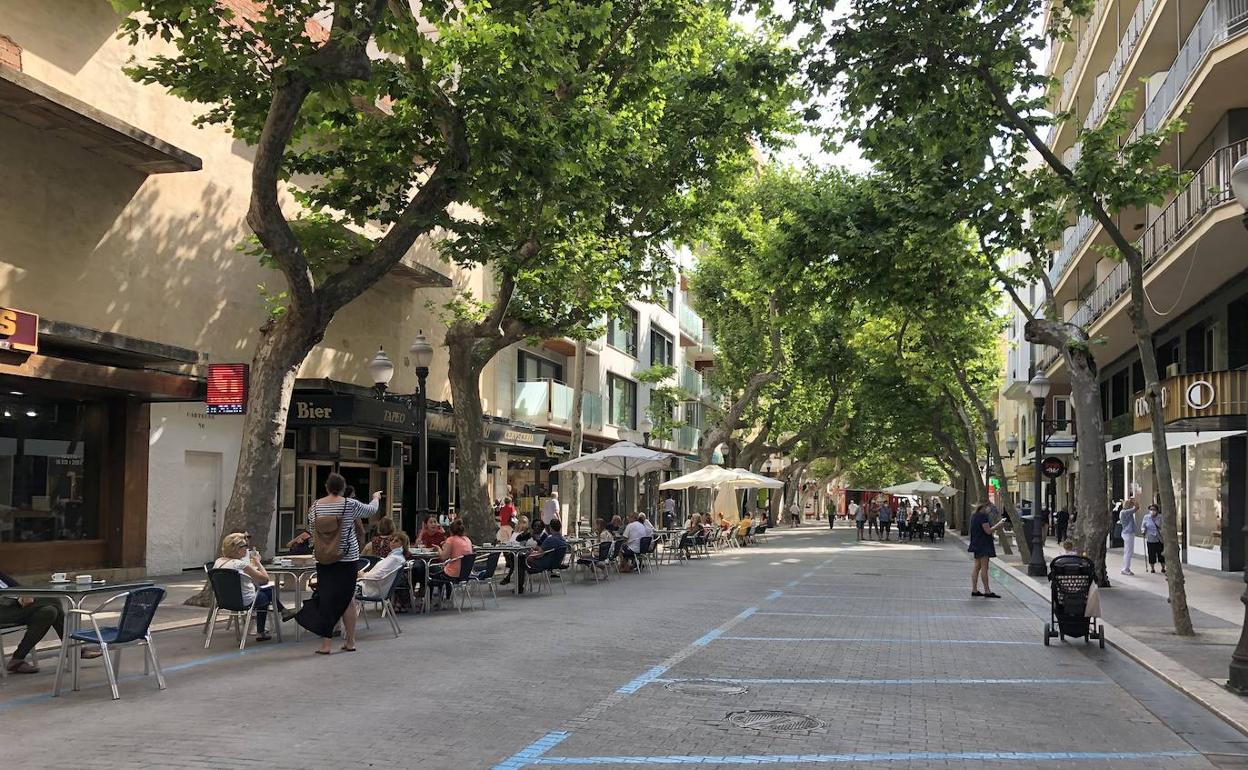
<point>782,721</point>
<point>706,688</point>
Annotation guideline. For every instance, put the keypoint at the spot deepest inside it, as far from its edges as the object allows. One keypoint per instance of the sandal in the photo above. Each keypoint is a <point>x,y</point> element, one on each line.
<point>323,652</point>
<point>345,648</point>
<point>976,593</point>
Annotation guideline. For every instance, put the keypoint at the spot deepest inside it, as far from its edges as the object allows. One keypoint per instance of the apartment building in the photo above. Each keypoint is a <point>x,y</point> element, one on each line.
<point>1187,59</point>
<point>533,384</point>
<point>120,282</point>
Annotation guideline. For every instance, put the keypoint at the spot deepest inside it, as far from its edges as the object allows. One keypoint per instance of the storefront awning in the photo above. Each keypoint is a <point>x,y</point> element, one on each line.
<point>1142,443</point>
<point>58,114</point>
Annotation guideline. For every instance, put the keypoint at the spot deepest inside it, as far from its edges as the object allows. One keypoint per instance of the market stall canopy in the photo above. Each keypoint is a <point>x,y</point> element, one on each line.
<point>921,488</point>
<point>716,477</point>
<point>623,458</point>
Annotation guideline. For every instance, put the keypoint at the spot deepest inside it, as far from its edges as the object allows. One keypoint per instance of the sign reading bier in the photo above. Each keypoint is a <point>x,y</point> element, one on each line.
<point>19,331</point>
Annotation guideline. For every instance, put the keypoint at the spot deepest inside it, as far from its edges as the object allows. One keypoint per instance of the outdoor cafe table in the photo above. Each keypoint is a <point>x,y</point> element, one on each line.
<point>428,556</point>
<point>518,550</point>
<point>72,595</point>
<point>299,575</point>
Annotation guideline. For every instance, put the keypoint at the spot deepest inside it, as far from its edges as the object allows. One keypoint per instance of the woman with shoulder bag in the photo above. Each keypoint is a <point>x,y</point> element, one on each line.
<point>336,524</point>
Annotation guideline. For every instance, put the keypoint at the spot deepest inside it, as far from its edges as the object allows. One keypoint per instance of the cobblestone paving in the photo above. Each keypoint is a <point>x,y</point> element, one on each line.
<point>879,642</point>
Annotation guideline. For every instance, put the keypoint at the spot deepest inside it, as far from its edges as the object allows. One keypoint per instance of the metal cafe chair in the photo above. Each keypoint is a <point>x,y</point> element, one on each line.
<point>133,627</point>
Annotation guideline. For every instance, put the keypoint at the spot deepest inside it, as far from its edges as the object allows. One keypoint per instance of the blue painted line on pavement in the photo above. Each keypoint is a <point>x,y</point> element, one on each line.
<point>860,639</point>
<point>792,583</point>
<point>707,638</point>
<point>773,595</point>
<point>828,759</point>
<point>917,617</point>
<point>872,598</point>
<point>782,680</point>
<point>743,614</point>
<point>534,751</point>
<point>643,680</point>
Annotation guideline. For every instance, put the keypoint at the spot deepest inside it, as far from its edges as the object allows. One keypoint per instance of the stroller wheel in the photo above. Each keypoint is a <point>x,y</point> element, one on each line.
<point>1048,634</point>
<point>1100,635</point>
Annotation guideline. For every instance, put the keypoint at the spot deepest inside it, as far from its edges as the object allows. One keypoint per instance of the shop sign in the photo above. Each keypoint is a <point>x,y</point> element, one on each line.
<point>1203,394</point>
<point>227,389</point>
<point>351,411</point>
<point>514,435</point>
<point>1052,467</point>
<point>19,330</point>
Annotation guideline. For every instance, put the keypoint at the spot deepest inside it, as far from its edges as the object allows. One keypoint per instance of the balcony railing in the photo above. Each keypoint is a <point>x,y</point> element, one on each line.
<point>686,437</point>
<point>1072,243</point>
<point>1086,40</point>
<point>690,323</point>
<point>691,381</point>
<point>546,401</point>
<point>1132,35</point>
<point>1220,21</point>
<point>1210,187</point>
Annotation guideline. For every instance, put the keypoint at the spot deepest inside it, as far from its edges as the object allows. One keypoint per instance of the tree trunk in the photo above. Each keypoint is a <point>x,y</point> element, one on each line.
<point>276,362</point>
<point>578,435</point>
<point>468,417</point>
<point>1161,455</point>
<point>1093,522</point>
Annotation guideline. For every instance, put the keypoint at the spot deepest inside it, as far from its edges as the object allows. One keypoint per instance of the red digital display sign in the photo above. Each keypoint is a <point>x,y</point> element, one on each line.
<point>227,389</point>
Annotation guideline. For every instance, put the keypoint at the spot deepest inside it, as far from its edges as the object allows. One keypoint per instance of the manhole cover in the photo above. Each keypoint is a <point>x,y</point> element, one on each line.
<point>706,688</point>
<point>785,721</point>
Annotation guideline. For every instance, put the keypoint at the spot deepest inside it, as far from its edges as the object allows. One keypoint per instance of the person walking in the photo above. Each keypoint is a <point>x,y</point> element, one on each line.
<point>859,514</point>
<point>669,512</point>
<point>795,513</point>
<point>886,520</point>
<point>1061,523</point>
<point>550,508</point>
<point>982,548</point>
<point>1151,525</point>
<point>1127,520</point>
<point>873,519</point>
<point>336,523</point>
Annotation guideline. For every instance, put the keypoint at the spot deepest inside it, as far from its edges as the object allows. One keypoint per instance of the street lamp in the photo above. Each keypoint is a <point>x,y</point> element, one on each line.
<point>646,427</point>
<point>422,355</point>
<point>1239,185</point>
<point>1238,680</point>
<point>1039,389</point>
<point>1011,445</point>
<point>381,369</point>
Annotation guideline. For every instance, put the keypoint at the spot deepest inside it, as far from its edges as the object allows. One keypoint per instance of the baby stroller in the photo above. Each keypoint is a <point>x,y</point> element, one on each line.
<point>1070,580</point>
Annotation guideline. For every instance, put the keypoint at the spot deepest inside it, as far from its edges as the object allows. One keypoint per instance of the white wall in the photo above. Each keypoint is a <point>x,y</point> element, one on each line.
<point>175,430</point>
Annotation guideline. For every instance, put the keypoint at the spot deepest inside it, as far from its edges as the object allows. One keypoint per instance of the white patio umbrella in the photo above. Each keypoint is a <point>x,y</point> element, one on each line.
<point>725,502</point>
<point>921,487</point>
<point>709,476</point>
<point>623,458</point>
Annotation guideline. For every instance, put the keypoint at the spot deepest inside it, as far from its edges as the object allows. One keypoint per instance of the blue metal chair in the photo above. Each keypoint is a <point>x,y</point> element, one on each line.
<point>441,579</point>
<point>133,627</point>
<point>227,593</point>
<point>485,577</point>
<point>548,562</point>
<point>596,557</point>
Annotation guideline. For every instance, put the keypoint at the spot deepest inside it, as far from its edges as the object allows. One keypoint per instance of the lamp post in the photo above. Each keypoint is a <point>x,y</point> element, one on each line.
<point>1039,390</point>
<point>1011,445</point>
<point>1237,682</point>
<point>422,355</point>
<point>381,369</point>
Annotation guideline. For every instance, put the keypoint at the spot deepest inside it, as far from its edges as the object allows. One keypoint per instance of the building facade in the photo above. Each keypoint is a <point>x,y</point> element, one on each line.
<point>1192,58</point>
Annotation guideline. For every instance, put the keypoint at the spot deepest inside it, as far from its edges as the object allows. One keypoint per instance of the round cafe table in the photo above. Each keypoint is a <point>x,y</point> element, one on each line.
<point>518,551</point>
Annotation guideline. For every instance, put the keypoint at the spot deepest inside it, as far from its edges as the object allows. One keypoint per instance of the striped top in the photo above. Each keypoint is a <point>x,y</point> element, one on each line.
<point>350,510</point>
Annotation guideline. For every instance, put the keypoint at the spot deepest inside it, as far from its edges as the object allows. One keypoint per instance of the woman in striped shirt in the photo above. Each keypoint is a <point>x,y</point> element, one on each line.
<point>334,598</point>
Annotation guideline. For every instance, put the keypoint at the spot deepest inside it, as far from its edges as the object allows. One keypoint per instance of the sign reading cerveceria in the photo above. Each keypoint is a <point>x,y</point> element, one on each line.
<point>19,330</point>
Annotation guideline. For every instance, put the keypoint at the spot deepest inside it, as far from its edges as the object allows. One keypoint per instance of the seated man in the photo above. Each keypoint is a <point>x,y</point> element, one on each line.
<point>634,532</point>
<point>552,542</point>
<point>38,615</point>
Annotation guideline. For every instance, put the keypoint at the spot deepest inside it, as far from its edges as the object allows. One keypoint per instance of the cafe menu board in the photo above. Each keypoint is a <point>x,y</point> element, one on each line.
<point>227,389</point>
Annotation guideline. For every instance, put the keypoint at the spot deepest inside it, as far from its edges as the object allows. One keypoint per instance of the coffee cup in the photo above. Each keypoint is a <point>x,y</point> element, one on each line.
<point>83,579</point>
<point>58,577</point>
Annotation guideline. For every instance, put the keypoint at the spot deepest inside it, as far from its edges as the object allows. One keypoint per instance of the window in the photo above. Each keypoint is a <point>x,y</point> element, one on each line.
<point>531,368</point>
<point>1120,393</point>
<point>1199,356</point>
<point>661,349</point>
<point>358,448</point>
<point>669,298</point>
<point>623,394</point>
<point>1061,415</point>
<point>1237,333</point>
<point>622,332</point>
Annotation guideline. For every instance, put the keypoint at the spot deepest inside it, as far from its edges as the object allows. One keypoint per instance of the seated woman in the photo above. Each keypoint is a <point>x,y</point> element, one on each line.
<point>379,545</point>
<point>431,534</point>
<point>236,554</point>
<point>455,548</point>
<point>374,581</point>
<point>743,529</point>
<point>521,533</point>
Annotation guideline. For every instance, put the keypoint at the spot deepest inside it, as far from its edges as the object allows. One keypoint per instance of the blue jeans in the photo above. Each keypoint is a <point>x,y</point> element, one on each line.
<point>263,597</point>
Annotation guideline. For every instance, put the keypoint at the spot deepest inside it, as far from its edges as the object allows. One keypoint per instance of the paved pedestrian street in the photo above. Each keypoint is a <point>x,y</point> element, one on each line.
<point>876,649</point>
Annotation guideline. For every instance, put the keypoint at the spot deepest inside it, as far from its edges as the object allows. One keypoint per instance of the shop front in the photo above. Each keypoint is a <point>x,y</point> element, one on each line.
<point>74,417</point>
<point>523,465</point>
<point>335,428</point>
<point>1205,417</point>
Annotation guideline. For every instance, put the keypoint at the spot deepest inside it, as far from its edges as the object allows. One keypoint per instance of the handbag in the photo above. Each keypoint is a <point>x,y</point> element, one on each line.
<point>327,539</point>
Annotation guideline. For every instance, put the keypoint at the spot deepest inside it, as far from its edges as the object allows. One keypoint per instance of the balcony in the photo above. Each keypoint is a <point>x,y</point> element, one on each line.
<point>1210,188</point>
<point>691,381</point>
<point>703,355</point>
<point>1132,36</point>
<point>566,346</point>
<point>686,438</point>
<point>690,327</point>
<point>546,403</point>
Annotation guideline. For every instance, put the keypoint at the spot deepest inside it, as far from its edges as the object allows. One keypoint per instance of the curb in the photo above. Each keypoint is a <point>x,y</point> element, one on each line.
<point>1225,705</point>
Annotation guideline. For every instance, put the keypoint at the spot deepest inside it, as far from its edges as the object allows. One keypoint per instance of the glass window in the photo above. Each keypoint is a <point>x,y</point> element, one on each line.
<point>531,368</point>
<point>669,298</point>
<point>1204,495</point>
<point>623,401</point>
<point>1237,333</point>
<point>622,332</point>
<point>661,349</point>
<point>50,454</point>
